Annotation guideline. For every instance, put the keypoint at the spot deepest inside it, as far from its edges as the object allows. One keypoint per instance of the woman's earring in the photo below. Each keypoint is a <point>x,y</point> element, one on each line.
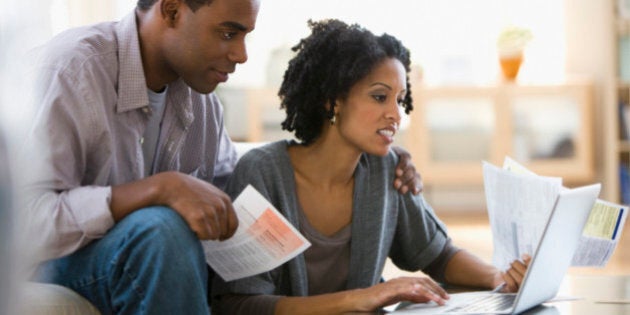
<point>333,119</point>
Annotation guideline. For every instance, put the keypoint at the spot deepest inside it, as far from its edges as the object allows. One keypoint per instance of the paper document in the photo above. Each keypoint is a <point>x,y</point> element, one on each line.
<point>519,203</point>
<point>264,240</point>
<point>518,207</point>
<point>601,234</point>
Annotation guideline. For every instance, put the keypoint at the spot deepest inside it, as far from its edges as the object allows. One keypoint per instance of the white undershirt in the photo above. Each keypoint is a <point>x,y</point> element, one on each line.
<point>157,102</point>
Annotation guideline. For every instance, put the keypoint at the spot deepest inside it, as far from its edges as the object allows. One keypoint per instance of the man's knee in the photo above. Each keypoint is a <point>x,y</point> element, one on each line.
<point>156,219</point>
<point>159,254</point>
<point>160,228</point>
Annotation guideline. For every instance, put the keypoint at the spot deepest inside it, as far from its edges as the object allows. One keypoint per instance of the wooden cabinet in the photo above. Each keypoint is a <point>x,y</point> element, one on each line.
<point>548,128</point>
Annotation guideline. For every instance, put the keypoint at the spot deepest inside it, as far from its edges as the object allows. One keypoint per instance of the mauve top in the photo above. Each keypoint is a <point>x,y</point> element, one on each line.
<point>93,110</point>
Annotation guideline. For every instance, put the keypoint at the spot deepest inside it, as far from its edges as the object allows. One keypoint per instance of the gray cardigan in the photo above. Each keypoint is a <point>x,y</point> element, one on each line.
<point>384,222</point>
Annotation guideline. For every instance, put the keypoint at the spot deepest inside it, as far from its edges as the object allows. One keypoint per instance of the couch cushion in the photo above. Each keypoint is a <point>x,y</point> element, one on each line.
<point>52,299</point>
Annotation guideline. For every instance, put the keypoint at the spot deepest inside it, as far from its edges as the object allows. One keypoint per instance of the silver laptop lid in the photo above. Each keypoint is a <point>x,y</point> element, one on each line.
<point>557,246</point>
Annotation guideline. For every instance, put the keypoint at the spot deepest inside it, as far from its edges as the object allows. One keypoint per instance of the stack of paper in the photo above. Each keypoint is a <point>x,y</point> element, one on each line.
<point>519,203</point>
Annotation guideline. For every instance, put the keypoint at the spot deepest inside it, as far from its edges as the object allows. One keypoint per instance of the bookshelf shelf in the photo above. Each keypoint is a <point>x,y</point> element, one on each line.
<point>623,86</point>
<point>623,26</point>
<point>624,146</point>
<point>622,101</point>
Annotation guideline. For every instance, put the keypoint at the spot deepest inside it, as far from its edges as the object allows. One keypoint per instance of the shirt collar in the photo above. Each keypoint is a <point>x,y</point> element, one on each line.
<point>132,93</point>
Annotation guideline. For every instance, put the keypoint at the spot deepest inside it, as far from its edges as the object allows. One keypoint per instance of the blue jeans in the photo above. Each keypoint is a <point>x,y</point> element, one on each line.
<point>148,263</point>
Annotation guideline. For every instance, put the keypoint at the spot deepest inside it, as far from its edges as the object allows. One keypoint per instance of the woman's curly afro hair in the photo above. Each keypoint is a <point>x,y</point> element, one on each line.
<point>328,63</point>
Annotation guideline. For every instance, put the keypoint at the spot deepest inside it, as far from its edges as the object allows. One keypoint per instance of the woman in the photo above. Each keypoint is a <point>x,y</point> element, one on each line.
<point>343,94</point>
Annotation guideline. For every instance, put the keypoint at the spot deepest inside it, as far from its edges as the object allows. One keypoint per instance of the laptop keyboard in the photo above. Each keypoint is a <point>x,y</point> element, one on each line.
<point>489,303</point>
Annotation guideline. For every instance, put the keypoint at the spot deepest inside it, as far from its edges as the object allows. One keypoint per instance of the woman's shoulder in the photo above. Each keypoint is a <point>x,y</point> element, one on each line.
<point>262,166</point>
<point>268,161</point>
<point>265,153</point>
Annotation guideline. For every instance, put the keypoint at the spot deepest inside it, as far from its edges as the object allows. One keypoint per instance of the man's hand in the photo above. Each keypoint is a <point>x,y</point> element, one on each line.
<point>207,210</point>
<point>407,179</point>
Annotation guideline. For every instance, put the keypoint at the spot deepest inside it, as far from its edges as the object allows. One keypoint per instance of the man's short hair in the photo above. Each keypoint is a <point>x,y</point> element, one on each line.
<point>192,4</point>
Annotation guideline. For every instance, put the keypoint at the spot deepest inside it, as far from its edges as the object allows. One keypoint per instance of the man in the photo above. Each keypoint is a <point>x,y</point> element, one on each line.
<point>137,154</point>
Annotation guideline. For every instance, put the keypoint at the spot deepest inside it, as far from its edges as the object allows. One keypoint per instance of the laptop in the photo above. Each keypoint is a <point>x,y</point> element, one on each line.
<point>547,268</point>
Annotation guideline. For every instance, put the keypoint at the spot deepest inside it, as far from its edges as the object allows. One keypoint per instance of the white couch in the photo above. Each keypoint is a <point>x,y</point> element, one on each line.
<point>52,299</point>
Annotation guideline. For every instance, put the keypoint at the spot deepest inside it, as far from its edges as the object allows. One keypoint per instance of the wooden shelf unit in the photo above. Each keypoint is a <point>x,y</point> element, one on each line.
<point>503,98</point>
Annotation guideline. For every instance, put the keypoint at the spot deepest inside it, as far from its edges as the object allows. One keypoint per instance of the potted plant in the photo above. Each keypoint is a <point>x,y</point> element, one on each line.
<point>510,46</point>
